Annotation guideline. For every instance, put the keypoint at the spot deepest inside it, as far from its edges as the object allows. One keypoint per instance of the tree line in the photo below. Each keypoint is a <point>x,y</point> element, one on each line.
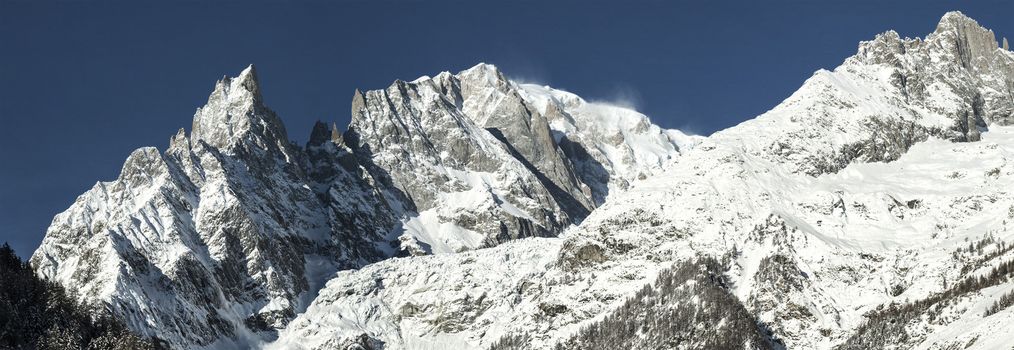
<point>689,306</point>
<point>887,325</point>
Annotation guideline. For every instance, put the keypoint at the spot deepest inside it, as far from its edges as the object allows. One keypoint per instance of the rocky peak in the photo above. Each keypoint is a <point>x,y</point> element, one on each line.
<point>321,133</point>
<point>336,136</point>
<point>957,22</point>
<point>484,74</point>
<point>247,79</point>
<point>179,141</point>
<point>437,143</point>
<point>495,103</point>
<point>141,166</point>
<point>884,48</point>
<point>235,112</point>
<point>962,36</point>
<point>957,39</point>
<point>953,84</point>
<point>358,106</point>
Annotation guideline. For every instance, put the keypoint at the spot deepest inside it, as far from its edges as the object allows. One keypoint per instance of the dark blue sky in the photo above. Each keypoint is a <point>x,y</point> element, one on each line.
<point>83,84</point>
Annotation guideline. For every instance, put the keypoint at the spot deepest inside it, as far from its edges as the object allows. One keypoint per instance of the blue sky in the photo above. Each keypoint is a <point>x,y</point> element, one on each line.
<point>84,84</point>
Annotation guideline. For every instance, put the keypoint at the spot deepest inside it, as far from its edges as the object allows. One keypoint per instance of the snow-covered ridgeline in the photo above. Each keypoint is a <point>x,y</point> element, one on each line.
<point>816,231</point>
<point>229,234</point>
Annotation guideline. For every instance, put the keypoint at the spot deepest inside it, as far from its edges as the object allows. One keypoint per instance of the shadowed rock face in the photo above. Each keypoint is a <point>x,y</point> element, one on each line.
<point>496,104</point>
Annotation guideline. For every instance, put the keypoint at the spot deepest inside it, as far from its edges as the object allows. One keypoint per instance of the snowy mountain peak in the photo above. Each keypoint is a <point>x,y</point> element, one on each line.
<point>956,21</point>
<point>235,114</point>
<point>954,85</point>
<point>248,80</point>
<point>972,44</point>
<point>483,72</point>
<point>475,159</point>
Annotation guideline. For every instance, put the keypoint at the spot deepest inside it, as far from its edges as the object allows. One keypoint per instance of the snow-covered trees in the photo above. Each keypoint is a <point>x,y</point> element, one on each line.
<point>39,314</point>
<point>887,325</point>
<point>1005,301</point>
<point>688,307</point>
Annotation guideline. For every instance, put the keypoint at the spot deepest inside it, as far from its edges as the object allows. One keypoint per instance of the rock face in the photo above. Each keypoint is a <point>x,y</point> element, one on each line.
<point>469,187</point>
<point>957,71</point>
<point>476,159</point>
<point>882,182</point>
<point>226,236</point>
<point>611,147</point>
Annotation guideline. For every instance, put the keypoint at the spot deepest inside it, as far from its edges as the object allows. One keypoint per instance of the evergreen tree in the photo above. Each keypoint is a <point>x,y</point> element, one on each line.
<point>39,314</point>
<point>688,307</point>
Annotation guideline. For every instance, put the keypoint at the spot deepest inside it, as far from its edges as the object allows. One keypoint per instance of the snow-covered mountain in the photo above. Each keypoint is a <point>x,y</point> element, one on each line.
<point>870,209</point>
<point>482,159</point>
<point>819,235</point>
<point>228,234</point>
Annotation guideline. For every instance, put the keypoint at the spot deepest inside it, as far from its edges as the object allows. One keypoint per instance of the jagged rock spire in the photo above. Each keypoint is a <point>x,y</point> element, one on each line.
<point>179,141</point>
<point>319,134</point>
<point>322,133</point>
<point>965,38</point>
<point>1005,47</point>
<point>336,136</point>
<point>248,80</point>
<point>235,110</point>
<point>358,103</point>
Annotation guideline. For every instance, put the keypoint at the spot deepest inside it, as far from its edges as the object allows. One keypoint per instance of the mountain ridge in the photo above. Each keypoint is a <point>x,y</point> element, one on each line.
<point>812,231</point>
<point>228,234</point>
<point>403,231</point>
